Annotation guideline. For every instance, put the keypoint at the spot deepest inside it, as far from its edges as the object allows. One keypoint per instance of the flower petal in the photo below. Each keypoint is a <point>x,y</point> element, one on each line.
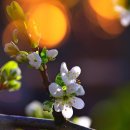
<point>125,18</point>
<point>74,72</point>
<point>67,112</point>
<point>55,90</point>
<point>84,121</point>
<point>52,53</point>
<point>63,69</point>
<point>66,80</point>
<point>80,91</point>
<point>34,60</point>
<point>72,88</point>
<point>58,106</point>
<point>33,107</point>
<point>77,103</point>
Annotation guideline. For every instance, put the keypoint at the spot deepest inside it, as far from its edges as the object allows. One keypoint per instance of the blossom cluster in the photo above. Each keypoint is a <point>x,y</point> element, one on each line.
<point>33,58</point>
<point>65,89</point>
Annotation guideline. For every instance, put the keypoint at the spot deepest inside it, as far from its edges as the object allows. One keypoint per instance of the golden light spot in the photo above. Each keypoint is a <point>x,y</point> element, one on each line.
<point>112,27</point>
<point>70,3</point>
<point>103,19</point>
<point>104,8</point>
<point>48,23</point>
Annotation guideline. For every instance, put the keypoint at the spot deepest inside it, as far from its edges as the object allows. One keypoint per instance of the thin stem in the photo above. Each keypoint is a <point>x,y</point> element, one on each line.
<point>2,87</point>
<point>59,119</point>
<point>45,77</point>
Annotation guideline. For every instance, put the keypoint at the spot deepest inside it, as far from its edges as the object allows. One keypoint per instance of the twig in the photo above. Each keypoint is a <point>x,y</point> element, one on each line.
<point>59,119</point>
<point>45,77</point>
<point>10,121</point>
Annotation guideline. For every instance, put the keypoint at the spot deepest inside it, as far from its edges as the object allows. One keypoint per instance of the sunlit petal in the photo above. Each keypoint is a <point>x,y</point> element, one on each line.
<point>77,103</point>
<point>63,68</point>
<point>52,53</point>
<point>67,112</point>
<point>55,90</point>
<point>74,72</point>
<point>34,60</point>
<point>58,106</point>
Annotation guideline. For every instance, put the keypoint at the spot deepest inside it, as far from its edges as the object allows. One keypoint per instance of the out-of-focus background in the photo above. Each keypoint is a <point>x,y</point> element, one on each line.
<point>87,33</point>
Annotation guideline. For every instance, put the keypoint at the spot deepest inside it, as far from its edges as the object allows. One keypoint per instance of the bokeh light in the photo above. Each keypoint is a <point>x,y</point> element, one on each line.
<point>103,18</point>
<point>104,8</point>
<point>22,36</point>
<point>48,23</point>
<point>112,27</point>
<point>70,3</point>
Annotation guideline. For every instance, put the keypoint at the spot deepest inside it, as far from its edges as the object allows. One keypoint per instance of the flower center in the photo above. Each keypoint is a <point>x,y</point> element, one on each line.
<point>65,98</point>
<point>35,60</point>
<point>64,88</point>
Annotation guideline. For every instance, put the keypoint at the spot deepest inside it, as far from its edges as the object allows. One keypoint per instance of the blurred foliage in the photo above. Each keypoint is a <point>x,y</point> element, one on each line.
<point>36,109</point>
<point>114,113</point>
<point>15,11</point>
<point>9,76</point>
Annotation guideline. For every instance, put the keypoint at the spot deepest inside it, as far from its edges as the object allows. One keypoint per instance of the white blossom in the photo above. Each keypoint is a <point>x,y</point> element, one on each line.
<point>52,53</point>
<point>69,77</point>
<point>11,49</point>
<point>83,121</point>
<point>65,96</point>
<point>33,107</point>
<point>124,15</point>
<point>34,60</point>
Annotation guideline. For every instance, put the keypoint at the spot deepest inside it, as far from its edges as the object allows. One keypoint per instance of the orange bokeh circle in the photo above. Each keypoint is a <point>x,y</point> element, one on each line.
<point>48,23</point>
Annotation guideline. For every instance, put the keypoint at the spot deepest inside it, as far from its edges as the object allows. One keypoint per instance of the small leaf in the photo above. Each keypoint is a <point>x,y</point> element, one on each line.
<point>44,56</point>
<point>9,74</point>
<point>47,106</point>
<point>15,11</point>
<point>8,67</point>
<point>14,85</point>
<point>59,80</point>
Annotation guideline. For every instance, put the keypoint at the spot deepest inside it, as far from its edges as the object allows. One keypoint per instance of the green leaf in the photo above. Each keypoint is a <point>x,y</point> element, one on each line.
<point>47,115</point>
<point>15,74</point>
<point>44,56</point>
<point>9,74</point>
<point>15,11</point>
<point>59,80</point>
<point>47,106</point>
<point>14,85</point>
<point>11,65</point>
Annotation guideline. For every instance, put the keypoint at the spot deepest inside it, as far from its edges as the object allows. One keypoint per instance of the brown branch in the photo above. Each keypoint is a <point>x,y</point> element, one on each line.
<point>9,121</point>
<point>45,77</point>
<point>2,87</point>
<point>59,119</point>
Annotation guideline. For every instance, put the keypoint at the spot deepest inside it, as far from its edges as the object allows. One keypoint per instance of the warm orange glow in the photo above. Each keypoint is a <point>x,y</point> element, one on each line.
<point>7,37</point>
<point>48,23</point>
<point>120,2</point>
<point>70,3</point>
<point>103,21</point>
<point>22,35</point>
<point>27,4</point>
<point>104,8</point>
<point>112,27</point>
